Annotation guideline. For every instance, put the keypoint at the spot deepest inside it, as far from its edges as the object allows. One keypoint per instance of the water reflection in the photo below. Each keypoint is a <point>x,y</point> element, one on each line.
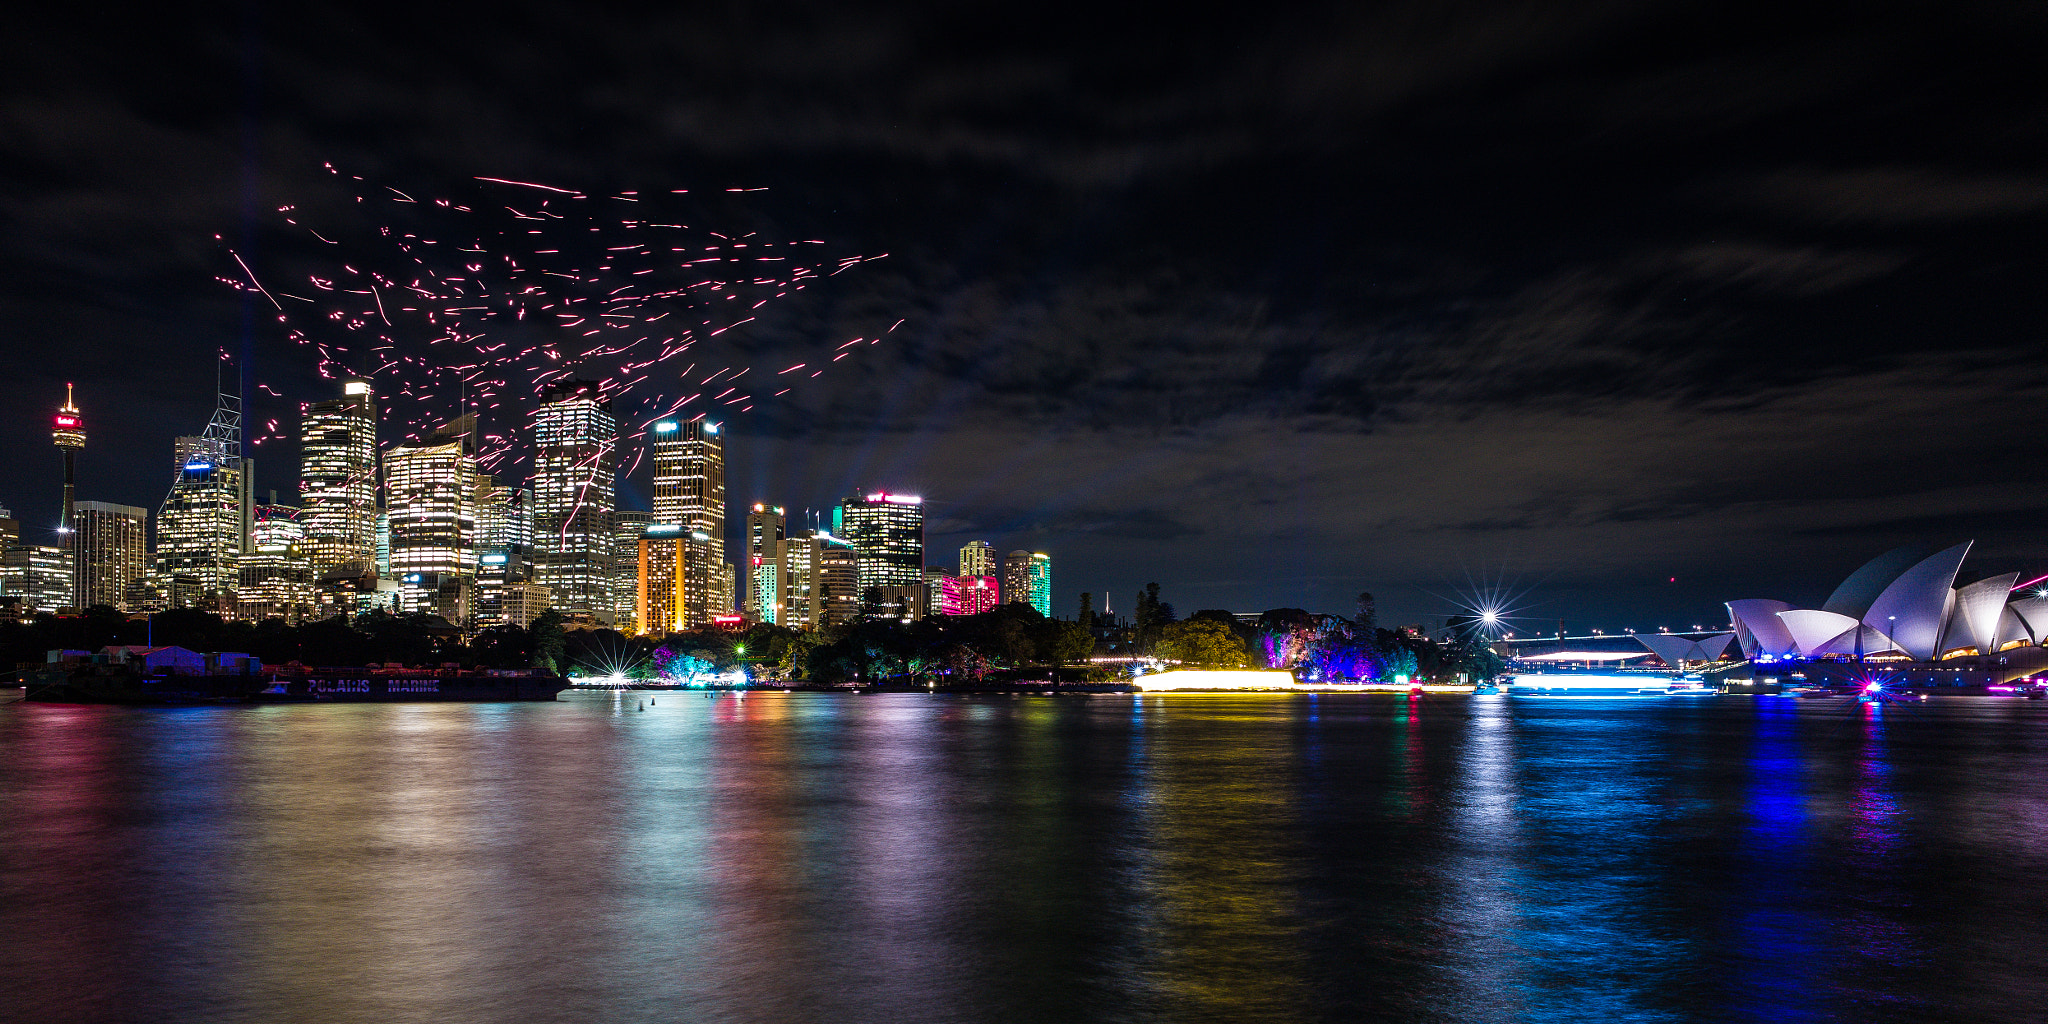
<point>1132,858</point>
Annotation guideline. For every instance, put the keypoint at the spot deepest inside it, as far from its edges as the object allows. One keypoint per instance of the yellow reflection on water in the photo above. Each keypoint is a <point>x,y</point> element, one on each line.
<point>1221,861</point>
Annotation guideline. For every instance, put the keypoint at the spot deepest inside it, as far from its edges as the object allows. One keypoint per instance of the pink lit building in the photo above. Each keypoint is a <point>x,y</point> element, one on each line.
<point>967,595</point>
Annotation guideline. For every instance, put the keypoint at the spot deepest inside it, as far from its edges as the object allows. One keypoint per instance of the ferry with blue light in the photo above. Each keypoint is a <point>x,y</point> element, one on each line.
<point>1606,684</point>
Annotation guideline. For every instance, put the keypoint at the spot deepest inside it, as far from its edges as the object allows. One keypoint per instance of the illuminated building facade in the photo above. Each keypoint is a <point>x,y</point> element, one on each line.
<point>108,542</point>
<point>1027,579</point>
<point>800,588</point>
<point>505,588</point>
<point>276,526</point>
<point>275,582</point>
<point>835,586</point>
<point>203,526</point>
<point>967,595</point>
<point>627,527</point>
<point>767,563</point>
<point>887,532</point>
<point>689,491</point>
<point>903,603</point>
<point>574,475</point>
<point>675,581</point>
<point>978,558</point>
<point>40,575</point>
<point>430,502</point>
<point>338,480</point>
<point>501,514</point>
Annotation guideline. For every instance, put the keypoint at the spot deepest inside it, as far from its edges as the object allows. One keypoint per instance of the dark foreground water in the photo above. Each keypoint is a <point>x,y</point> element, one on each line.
<point>794,857</point>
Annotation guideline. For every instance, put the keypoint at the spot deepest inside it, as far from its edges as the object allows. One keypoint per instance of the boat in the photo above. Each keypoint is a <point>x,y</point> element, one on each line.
<point>101,683</point>
<point>1604,684</point>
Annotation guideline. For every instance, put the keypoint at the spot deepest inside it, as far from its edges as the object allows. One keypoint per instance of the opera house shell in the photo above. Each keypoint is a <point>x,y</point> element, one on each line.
<point>1902,606</point>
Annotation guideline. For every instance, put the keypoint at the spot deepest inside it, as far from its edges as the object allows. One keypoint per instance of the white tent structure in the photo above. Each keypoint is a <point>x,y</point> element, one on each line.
<point>1903,601</point>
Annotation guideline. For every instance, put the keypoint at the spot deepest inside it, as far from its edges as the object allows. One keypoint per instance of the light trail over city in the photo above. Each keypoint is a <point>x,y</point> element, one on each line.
<point>477,303</point>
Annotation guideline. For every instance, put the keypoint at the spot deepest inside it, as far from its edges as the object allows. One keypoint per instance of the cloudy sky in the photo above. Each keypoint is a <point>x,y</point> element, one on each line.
<point>1630,308</point>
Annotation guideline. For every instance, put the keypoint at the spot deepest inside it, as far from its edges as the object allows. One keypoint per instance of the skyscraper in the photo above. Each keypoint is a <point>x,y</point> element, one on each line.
<point>202,527</point>
<point>338,480</point>
<point>689,491</point>
<point>628,526</point>
<point>673,590</point>
<point>767,563</point>
<point>574,475</point>
<point>109,546</point>
<point>835,589</point>
<point>1027,579</point>
<point>978,558</point>
<point>887,532</point>
<point>430,497</point>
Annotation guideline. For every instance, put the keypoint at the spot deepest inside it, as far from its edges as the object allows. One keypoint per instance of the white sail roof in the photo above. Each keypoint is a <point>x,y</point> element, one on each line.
<point>1914,608</point>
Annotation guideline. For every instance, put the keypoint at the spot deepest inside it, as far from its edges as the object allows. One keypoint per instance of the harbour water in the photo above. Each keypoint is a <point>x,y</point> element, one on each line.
<point>903,858</point>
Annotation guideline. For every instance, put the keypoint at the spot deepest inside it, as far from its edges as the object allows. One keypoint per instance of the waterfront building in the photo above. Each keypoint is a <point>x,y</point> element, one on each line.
<point>1903,611</point>
<point>501,514</point>
<point>382,566</point>
<point>574,475</point>
<point>689,492</point>
<point>887,533</point>
<point>767,563</point>
<point>110,548</point>
<point>521,603</point>
<point>338,481</point>
<point>978,558</point>
<point>627,527</point>
<point>430,502</point>
<point>275,581</point>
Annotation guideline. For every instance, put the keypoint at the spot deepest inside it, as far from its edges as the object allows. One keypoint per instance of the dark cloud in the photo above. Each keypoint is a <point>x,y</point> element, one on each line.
<point>1270,309</point>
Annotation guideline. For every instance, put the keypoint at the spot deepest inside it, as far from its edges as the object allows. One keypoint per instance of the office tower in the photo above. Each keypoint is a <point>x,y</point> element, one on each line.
<point>505,592</point>
<point>338,481</point>
<point>767,563</point>
<point>835,578</point>
<point>887,532</point>
<point>40,574</point>
<point>430,502</point>
<point>935,588</point>
<point>276,526</point>
<point>689,491</point>
<point>501,514</point>
<point>800,581</point>
<point>905,603</point>
<point>574,473</point>
<point>108,542</point>
<point>674,580</point>
<point>39,578</point>
<point>1027,579</point>
<point>381,555</point>
<point>628,525</point>
<point>978,558</point>
<point>203,525</point>
<point>275,582</point>
<point>966,595</point>
<point>1040,588</point>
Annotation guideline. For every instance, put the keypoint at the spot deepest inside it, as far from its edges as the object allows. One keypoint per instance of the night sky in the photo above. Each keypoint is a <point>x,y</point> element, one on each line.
<point>1628,308</point>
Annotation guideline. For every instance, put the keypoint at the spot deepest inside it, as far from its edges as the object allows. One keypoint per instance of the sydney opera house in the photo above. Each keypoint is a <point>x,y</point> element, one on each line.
<point>1904,611</point>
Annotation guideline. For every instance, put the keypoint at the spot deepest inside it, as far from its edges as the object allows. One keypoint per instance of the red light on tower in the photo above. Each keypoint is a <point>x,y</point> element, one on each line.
<point>70,426</point>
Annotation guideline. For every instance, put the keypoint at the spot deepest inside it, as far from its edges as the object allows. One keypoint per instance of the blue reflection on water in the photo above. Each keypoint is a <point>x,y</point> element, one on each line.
<point>1778,956</point>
